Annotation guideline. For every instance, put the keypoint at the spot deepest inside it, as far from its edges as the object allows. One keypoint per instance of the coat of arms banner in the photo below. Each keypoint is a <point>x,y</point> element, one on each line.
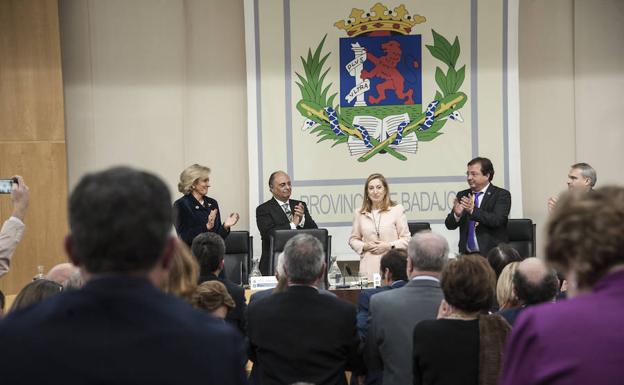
<point>338,90</point>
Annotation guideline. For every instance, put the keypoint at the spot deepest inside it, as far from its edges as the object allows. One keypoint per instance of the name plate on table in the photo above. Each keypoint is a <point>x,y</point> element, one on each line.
<point>262,283</point>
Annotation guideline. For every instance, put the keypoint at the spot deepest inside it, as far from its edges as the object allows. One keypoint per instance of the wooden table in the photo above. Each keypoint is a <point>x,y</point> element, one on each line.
<point>349,295</point>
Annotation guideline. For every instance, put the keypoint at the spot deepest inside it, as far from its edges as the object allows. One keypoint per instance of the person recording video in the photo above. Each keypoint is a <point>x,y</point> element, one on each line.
<point>13,228</point>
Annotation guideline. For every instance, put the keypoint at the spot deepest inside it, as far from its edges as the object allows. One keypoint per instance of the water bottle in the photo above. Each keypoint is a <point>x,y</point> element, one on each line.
<point>334,275</point>
<point>39,273</point>
<point>255,271</point>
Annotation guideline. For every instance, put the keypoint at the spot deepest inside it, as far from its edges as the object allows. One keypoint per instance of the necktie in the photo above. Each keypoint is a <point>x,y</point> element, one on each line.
<point>472,240</point>
<point>286,208</point>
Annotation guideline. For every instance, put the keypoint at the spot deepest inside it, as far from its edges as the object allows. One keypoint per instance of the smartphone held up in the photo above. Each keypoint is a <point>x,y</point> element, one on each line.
<point>6,185</point>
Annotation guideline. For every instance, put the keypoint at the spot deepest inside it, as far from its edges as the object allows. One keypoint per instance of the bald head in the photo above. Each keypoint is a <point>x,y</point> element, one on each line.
<point>427,251</point>
<point>280,185</point>
<point>61,272</point>
<point>534,282</point>
<point>533,269</point>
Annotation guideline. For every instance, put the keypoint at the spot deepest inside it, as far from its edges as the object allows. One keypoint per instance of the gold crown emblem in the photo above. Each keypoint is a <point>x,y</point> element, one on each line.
<point>380,18</point>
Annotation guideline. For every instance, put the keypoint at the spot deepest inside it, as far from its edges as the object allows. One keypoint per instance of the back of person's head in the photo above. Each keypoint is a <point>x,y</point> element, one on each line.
<point>62,272</point>
<point>75,282</point>
<point>35,292</point>
<point>184,273</point>
<point>501,256</point>
<point>428,251</point>
<point>586,234</point>
<point>120,220</point>
<point>505,293</point>
<point>209,249</point>
<point>280,274</point>
<point>395,261</point>
<point>468,283</point>
<point>211,295</point>
<point>534,282</point>
<point>303,259</point>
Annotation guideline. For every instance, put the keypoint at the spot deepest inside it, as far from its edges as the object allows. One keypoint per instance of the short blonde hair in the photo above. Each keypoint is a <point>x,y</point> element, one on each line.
<point>211,295</point>
<point>504,287</point>
<point>183,274</point>
<point>190,176</point>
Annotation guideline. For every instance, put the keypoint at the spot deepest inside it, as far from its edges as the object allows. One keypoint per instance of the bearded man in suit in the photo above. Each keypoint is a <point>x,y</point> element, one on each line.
<point>280,213</point>
<point>480,212</point>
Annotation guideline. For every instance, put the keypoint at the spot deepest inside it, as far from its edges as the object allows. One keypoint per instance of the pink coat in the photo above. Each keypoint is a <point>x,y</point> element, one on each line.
<point>393,228</point>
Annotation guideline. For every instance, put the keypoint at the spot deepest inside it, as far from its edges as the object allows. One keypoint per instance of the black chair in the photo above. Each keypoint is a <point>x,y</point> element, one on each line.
<point>521,233</point>
<point>238,254</point>
<point>279,238</point>
<point>415,227</point>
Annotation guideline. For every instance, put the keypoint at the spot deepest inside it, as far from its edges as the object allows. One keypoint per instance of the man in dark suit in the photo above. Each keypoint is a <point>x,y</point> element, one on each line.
<point>209,250</point>
<point>300,335</point>
<point>395,313</point>
<point>480,212</point>
<point>119,328</point>
<point>280,213</point>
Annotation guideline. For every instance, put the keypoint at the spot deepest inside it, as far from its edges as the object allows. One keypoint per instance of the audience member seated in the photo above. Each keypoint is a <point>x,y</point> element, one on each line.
<point>62,272</point>
<point>119,328</point>
<point>505,293</point>
<point>35,292</point>
<point>394,313</point>
<point>579,340</point>
<point>184,273</point>
<point>213,297</point>
<point>13,228</point>
<point>463,346</point>
<point>533,283</point>
<point>501,256</point>
<point>300,334</point>
<point>209,249</point>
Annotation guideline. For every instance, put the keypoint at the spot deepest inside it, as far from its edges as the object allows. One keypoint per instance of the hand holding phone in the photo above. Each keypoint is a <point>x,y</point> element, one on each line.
<point>6,185</point>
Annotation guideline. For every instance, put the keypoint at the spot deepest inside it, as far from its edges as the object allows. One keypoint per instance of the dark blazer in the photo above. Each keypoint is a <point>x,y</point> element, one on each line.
<point>236,317</point>
<point>119,330</point>
<point>510,315</point>
<point>491,215</point>
<point>364,302</point>
<point>302,335</point>
<point>191,218</point>
<point>270,217</point>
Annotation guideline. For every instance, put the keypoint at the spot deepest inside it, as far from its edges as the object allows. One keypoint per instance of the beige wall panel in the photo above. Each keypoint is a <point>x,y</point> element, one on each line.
<point>546,103</point>
<point>31,103</point>
<point>43,166</point>
<point>599,81</point>
<point>215,133</point>
<point>158,85</point>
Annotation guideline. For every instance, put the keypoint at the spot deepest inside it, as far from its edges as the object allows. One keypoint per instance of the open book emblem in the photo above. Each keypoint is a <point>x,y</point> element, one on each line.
<point>378,107</point>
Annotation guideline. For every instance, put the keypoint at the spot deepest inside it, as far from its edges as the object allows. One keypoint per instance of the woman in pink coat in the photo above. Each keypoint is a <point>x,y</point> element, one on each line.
<point>380,225</point>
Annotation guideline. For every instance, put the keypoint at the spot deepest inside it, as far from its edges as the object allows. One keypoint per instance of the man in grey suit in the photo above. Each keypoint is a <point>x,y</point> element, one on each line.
<point>395,313</point>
